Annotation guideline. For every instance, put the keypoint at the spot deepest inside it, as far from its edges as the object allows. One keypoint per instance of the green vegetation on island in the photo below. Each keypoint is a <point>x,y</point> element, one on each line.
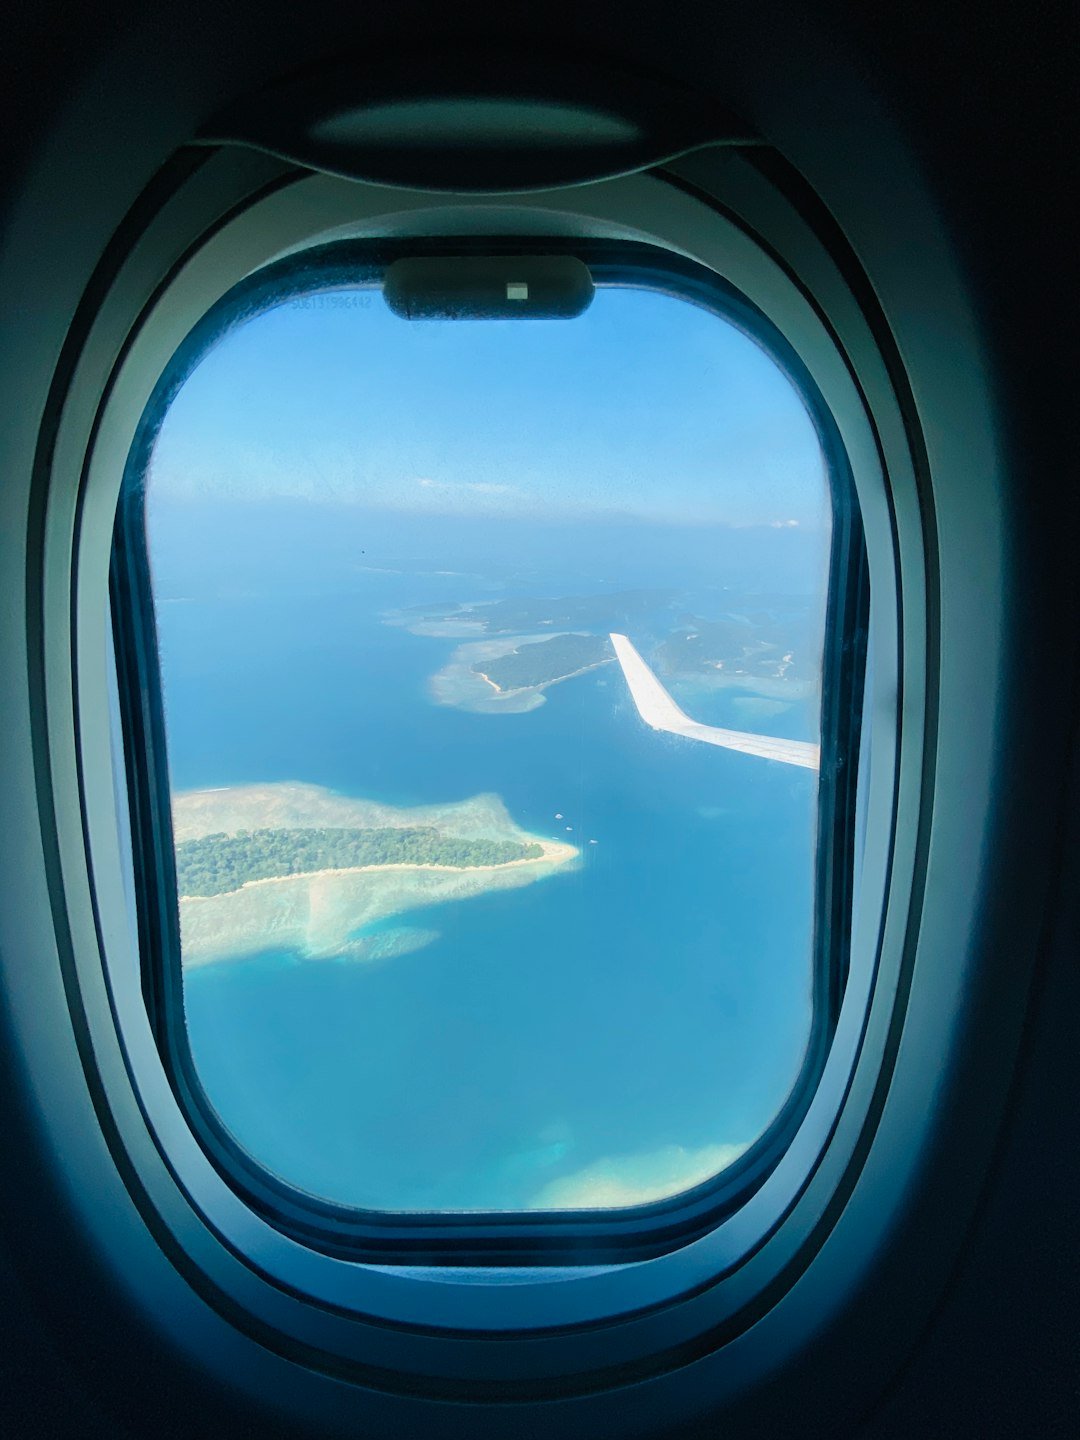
<point>541,662</point>
<point>219,863</point>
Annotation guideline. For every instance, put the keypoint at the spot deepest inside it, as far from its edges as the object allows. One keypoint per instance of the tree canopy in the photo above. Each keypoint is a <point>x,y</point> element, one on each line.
<point>216,864</point>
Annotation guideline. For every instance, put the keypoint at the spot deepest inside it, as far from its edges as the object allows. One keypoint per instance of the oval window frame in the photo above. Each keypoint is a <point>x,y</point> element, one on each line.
<point>461,1239</point>
<point>715,1285</point>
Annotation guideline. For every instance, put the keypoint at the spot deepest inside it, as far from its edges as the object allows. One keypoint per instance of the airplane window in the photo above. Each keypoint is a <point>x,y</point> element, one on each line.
<point>491,688</point>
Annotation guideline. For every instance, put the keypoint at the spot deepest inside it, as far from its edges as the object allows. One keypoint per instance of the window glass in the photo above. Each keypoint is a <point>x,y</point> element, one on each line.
<point>491,666</point>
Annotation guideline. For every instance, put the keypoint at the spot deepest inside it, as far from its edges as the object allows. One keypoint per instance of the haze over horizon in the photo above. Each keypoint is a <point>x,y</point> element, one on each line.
<point>347,404</point>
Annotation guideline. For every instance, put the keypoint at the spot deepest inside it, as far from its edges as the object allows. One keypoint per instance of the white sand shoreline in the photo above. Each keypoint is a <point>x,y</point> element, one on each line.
<point>543,684</point>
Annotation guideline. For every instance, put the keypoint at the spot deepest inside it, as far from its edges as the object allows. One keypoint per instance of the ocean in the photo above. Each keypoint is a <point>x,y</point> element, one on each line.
<point>623,1021</point>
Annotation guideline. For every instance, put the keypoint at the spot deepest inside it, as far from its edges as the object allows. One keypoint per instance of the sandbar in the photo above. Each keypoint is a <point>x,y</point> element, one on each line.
<point>324,913</point>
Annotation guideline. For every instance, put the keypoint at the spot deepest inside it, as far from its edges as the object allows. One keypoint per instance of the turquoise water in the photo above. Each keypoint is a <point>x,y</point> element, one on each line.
<point>656,996</point>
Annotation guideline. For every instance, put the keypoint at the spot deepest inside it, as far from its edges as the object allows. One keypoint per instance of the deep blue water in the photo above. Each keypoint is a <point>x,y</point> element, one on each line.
<point>659,995</point>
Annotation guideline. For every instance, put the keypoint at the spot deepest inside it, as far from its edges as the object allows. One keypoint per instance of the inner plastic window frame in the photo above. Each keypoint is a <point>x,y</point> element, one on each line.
<point>582,1237</point>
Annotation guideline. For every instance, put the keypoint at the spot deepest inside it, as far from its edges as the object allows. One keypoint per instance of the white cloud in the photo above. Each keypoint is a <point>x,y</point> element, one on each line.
<point>475,487</point>
<point>785,524</point>
<point>619,1180</point>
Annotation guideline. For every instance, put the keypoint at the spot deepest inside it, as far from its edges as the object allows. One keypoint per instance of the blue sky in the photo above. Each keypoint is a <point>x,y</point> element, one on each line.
<point>645,406</point>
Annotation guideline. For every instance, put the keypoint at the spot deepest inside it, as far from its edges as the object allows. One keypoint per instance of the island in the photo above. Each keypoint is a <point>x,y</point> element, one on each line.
<point>752,650</point>
<point>767,644</point>
<point>217,864</point>
<point>295,869</point>
<point>615,610</point>
<point>509,676</point>
<point>543,662</point>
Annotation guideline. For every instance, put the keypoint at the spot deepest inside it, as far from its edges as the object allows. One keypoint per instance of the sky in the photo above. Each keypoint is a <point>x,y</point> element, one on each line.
<point>646,406</point>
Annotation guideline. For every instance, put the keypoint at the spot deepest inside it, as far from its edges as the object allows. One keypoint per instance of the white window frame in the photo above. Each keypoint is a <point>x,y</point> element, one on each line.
<point>390,1325</point>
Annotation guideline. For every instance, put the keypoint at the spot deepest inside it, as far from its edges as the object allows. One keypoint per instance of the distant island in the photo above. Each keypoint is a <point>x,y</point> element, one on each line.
<point>767,644</point>
<point>617,610</point>
<point>508,675</point>
<point>298,869</point>
<point>220,863</point>
<point>542,662</point>
<point>737,649</point>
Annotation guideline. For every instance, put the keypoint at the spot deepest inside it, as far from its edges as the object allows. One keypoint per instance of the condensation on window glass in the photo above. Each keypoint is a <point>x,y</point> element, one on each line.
<point>491,665</point>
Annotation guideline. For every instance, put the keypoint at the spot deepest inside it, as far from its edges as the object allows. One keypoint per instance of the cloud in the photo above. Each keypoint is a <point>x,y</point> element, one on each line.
<point>475,487</point>
<point>784,524</point>
<point>635,1179</point>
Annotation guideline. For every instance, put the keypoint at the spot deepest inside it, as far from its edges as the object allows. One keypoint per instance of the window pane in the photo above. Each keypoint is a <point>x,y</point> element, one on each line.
<point>480,909</point>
